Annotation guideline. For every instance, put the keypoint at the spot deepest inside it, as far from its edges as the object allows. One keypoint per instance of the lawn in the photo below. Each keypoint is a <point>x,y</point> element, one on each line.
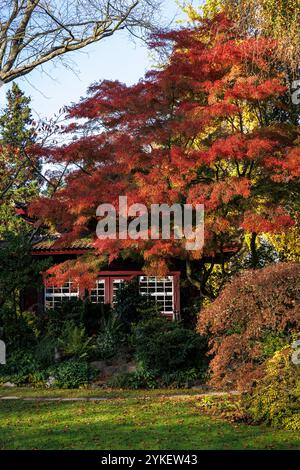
<point>134,420</point>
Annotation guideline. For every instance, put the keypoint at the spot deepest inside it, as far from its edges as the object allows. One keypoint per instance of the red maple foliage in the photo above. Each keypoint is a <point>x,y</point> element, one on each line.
<point>197,130</point>
<point>257,311</point>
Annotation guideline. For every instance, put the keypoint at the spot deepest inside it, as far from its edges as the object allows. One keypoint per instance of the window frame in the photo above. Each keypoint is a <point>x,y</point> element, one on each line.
<point>109,278</point>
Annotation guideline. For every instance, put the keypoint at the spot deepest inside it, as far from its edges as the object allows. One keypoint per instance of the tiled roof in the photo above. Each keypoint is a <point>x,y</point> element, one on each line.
<point>54,243</point>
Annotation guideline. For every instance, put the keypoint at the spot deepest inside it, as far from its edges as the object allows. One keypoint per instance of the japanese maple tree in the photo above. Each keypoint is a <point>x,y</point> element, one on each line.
<point>201,130</point>
<point>255,315</point>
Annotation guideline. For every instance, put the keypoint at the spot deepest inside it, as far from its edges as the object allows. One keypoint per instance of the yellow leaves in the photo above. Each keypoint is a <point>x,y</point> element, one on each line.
<point>191,12</point>
<point>287,244</point>
<point>212,7</point>
<point>279,19</point>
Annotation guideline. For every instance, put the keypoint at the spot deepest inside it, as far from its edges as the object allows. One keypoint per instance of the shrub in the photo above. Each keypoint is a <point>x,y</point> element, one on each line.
<point>132,307</point>
<point>71,374</point>
<point>276,398</point>
<point>163,346</point>
<point>39,378</point>
<point>135,380</point>
<point>17,331</point>
<point>226,407</point>
<point>257,313</point>
<point>146,379</point>
<point>74,341</point>
<point>181,378</point>
<point>109,338</point>
<point>20,366</point>
<point>45,350</point>
<point>81,312</point>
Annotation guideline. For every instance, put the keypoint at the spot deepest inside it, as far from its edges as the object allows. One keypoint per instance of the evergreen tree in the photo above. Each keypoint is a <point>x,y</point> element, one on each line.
<point>19,181</point>
<point>16,120</point>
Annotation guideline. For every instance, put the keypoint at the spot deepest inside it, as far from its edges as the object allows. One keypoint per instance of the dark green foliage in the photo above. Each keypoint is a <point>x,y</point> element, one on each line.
<point>146,379</point>
<point>135,380</point>
<point>132,307</point>
<point>15,329</point>
<point>191,305</point>
<point>110,337</point>
<point>20,169</point>
<point>25,368</point>
<point>16,123</point>
<point>166,347</point>
<point>71,374</point>
<point>45,350</point>
<point>74,342</point>
<point>273,341</point>
<point>81,312</point>
<point>18,269</point>
<point>20,366</point>
<point>169,354</point>
<point>184,378</point>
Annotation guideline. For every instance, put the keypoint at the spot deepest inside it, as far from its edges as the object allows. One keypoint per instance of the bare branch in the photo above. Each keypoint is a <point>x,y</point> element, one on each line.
<point>33,32</point>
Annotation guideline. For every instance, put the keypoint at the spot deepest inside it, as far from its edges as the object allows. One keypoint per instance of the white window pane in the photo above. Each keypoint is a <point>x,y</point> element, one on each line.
<point>161,289</point>
<point>56,295</point>
<point>97,295</point>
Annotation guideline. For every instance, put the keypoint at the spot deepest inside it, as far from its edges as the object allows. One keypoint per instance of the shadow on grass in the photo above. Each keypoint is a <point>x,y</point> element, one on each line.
<point>128,424</point>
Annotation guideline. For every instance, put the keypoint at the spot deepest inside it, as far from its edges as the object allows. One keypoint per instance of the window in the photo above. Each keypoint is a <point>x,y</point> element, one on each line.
<point>162,289</point>
<point>105,291</point>
<point>117,283</point>
<point>55,296</point>
<point>97,295</point>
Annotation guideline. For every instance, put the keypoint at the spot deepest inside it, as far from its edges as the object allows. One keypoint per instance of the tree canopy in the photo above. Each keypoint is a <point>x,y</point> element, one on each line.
<point>203,128</point>
<point>19,180</point>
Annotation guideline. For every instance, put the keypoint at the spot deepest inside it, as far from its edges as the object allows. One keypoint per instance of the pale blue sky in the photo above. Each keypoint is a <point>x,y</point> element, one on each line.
<point>116,58</point>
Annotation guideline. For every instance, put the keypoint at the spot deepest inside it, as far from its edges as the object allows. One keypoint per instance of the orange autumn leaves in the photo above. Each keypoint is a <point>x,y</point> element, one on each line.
<point>197,130</point>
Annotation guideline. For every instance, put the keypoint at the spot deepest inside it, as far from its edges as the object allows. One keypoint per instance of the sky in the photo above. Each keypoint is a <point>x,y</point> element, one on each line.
<point>115,58</point>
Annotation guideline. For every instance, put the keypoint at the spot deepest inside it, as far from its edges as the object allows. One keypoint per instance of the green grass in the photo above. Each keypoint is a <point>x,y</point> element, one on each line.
<point>135,420</point>
<point>90,392</point>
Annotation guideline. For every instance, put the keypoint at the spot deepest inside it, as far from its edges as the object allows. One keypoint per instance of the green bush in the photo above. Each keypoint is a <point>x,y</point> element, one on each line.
<point>17,329</point>
<point>272,341</point>
<point>81,312</point>
<point>74,341</point>
<point>84,312</point>
<point>182,378</point>
<point>109,339</point>
<point>164,347</point>
<point>45,350</point>
<point>20,366</point>
<point>132,307</point>
<point>134,380</point>
<point>71,374</point>
<point>146,379</point>
<point>276,398</point>
<point>38,378</point>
